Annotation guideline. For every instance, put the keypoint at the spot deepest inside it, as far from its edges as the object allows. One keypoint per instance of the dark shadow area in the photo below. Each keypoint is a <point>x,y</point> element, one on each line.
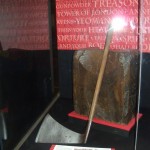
<point>25,82</point>
<point>144,123</point>
<point>97,138</point>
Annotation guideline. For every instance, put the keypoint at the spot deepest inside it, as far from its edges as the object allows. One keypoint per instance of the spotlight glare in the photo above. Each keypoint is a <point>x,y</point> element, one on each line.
<point>118,23</point>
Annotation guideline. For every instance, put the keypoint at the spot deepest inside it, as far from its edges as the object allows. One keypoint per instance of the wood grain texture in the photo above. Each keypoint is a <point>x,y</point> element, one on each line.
<point>118,94</point>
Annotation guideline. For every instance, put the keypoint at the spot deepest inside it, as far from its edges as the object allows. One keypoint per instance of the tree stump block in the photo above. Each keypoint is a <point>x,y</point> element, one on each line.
<point>118,94</point>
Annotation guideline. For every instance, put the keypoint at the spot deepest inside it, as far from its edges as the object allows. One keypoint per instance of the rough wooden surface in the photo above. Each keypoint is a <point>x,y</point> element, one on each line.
<point>118,94</point>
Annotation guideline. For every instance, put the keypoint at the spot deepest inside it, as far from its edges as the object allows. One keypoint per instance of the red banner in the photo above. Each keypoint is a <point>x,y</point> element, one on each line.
<point>84,23</point>
<point>146,26</point>
<point>24,24</point>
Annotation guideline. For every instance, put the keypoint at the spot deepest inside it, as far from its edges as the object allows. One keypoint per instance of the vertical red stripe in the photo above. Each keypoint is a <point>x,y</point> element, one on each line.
<point>52,147</point>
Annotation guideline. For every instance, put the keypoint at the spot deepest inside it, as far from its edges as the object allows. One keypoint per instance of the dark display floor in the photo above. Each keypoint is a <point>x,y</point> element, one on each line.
<point>97,137</point>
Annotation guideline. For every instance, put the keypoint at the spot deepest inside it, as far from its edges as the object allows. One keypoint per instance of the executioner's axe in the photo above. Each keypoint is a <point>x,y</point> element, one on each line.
<point>53,132</point>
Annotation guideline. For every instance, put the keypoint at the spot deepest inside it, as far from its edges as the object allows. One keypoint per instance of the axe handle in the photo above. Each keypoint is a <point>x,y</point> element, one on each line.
<point>99,81</point>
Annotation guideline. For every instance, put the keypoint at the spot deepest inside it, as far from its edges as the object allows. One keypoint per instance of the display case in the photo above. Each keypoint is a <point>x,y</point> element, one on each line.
<point>143,128</point>
<point>103,62</point>
<point>82,28</point>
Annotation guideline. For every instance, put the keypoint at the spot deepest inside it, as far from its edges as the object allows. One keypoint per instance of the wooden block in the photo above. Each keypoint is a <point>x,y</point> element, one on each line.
<point>118,94</point>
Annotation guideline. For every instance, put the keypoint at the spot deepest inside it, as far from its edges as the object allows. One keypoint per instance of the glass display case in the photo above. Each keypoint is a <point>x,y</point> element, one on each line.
<point>101,50</point>
<point>82,28</point>
<point>143,126</point>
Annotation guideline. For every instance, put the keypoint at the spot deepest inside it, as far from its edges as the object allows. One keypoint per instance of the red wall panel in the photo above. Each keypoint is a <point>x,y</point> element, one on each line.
<point>24,24</point>
<point>84,23</point>
<point>146,26</point>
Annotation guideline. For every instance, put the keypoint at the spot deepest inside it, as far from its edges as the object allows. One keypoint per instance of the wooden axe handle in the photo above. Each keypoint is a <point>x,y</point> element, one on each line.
<point>99,81</point>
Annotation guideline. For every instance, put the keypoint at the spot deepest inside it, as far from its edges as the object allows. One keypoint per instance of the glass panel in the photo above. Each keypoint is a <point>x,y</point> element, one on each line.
<point>143,136</point>
<point>82,27</point>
